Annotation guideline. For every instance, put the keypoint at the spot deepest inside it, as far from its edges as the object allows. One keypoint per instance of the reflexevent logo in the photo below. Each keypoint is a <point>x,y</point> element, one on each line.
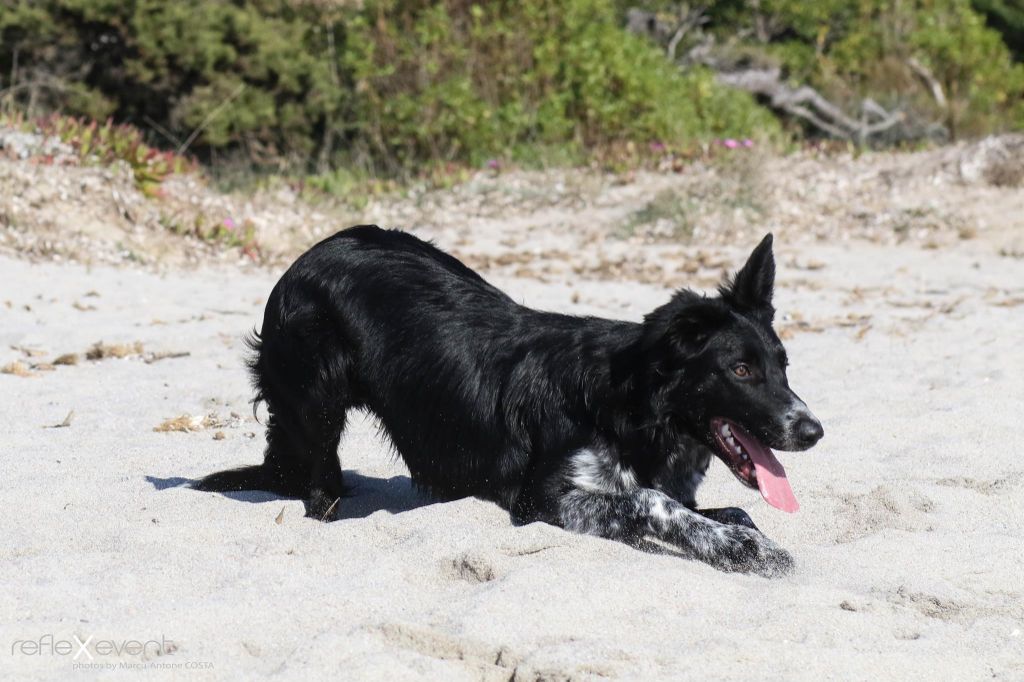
<point>93,653</point>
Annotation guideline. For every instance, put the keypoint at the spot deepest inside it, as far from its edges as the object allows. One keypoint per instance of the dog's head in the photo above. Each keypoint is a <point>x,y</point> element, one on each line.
<point>719,371</point>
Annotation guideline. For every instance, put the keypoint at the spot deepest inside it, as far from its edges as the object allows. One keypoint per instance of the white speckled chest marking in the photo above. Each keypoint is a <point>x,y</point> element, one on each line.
<point>598,470</point>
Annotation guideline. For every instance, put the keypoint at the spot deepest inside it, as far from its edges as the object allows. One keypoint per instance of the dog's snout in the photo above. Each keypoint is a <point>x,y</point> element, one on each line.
<point>808,431</point>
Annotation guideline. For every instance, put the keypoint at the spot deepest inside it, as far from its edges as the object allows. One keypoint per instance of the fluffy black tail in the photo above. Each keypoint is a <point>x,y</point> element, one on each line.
<point>260,477</point>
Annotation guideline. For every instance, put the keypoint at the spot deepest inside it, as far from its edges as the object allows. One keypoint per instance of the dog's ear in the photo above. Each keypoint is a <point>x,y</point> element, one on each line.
<point>686,322</point>
<point>676,331</point>
<point>752,287</point>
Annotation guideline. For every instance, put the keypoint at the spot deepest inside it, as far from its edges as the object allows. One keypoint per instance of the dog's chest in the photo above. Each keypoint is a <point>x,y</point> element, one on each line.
<point>683,473</point>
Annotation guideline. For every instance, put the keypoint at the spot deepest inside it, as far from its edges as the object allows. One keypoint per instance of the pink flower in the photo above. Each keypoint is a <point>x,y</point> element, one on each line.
<point>493,164</point>
<point>229,224</point>
<point>748,143</point>
<point>657,146</point>
<point>730,143</point>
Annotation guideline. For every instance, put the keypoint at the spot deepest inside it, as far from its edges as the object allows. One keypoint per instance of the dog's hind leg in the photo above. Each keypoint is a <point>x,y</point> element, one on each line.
<point>326,483</point>
<point>635,515</point>
<point>308,398</point>
<point>300,368</point>
<point>302,448</point>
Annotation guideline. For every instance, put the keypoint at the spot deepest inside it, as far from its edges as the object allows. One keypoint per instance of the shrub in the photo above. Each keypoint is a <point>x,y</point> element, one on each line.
<point>89,142</point>
<point>108,143</point>
<point>252,76</point>
<point>1007,17</point>
<point>984,90</point>
<point>455,80</point>
<point>887,51</point>
<point>386,84</point>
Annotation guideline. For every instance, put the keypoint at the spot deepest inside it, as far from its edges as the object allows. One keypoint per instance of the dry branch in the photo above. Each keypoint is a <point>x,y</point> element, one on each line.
<point>930,80</point>
<point>809,105</point>
<point>803,102</point>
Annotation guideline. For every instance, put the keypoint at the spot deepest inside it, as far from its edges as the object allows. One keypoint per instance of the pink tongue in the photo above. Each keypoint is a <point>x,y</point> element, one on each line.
<point>771,477</point>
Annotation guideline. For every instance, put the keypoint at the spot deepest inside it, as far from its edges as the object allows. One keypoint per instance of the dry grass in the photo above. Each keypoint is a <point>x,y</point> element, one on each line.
<point>102,351</point>
<point>186,423</point>
<point>17,368</point>
<point>190,423</point>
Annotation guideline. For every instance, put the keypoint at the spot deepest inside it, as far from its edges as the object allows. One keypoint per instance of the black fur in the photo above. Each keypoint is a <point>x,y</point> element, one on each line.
<point>600,426</point>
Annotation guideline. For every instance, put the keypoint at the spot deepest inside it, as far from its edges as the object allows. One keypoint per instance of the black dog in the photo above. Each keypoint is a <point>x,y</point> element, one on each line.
<point>599,426</point>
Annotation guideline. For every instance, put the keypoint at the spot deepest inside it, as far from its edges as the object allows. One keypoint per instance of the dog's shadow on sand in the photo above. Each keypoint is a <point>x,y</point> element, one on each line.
<point>367,494</point>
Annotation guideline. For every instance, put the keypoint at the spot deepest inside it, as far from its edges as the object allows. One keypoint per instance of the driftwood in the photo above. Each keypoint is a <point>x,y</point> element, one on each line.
<point>871,124</point>
<point>929,80</point>
<point>687,19</point>
<point>809,105</point>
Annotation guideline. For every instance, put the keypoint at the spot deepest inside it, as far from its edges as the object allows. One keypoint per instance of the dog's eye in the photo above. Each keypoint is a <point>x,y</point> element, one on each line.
<point>741,370</point>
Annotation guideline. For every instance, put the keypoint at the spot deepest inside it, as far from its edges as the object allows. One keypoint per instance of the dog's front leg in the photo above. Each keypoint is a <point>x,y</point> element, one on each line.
<point>643,512</point>
<point>730,515</point>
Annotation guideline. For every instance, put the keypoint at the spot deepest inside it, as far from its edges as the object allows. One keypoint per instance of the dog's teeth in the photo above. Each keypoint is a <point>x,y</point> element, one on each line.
<point>726,431</point>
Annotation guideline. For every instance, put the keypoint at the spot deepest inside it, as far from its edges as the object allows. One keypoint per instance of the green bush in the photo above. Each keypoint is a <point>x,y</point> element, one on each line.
<point>1007,17</point>
<point>880,49</point>
<point>450,80</point>
<point>384,85</point>
<point>983,88</point>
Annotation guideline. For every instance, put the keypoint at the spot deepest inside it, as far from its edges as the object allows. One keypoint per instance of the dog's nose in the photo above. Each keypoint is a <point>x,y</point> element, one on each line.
<point>808,431</point>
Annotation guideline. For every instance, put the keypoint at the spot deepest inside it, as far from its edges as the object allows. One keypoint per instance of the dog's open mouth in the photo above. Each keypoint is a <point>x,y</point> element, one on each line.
<point>753,463</point>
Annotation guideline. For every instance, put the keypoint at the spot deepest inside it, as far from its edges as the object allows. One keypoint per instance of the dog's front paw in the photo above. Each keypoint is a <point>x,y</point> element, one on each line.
<point>729,515</point>
<point>746,550</point>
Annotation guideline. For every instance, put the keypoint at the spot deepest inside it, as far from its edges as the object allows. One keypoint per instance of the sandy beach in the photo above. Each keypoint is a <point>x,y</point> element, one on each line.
<point>908,542</point>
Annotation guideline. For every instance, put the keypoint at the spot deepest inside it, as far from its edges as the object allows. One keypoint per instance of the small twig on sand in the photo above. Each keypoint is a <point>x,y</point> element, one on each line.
<point>330,509</point>
<point>64,424</point>
<point>166,355</point>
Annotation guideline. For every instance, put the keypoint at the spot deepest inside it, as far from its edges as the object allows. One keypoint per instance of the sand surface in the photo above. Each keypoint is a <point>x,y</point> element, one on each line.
<point>909,542</point>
